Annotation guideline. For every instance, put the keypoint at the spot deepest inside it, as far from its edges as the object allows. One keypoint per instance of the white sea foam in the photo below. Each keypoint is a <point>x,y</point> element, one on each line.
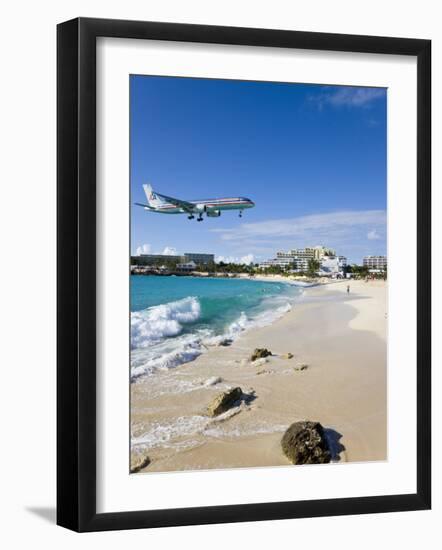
<point>182,432</point>
<point>158,343</point>
<point>213,380</point>
<point>270,315</point>
<point>155,323</point>
<point>243,323</point>
<point>302,283</point>
<point>165,435</point>
<point>165,355</point>
<point>231,332</point>
<point>227,432</point>
<point>172,383</point>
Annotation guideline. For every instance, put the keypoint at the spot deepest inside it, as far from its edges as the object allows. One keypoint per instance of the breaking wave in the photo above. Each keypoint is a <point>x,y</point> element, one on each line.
<point>171,334</point>
<point>155,323</point>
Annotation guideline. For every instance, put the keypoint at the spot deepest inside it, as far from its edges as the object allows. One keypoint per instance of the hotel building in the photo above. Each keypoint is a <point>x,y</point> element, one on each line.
<point>166,259</point>
<point>298,258</point>
<point>375,262</point>
<point>199,259</point>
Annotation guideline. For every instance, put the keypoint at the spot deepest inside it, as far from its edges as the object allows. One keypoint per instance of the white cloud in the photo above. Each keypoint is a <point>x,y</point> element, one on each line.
<point>346,231</point>
<point>147,249</point>
<point>346,96</point>
<point>143,249</point>
<point>169,251</point>
<point>373,235</point>
<point>247,259</point>
<point>312,227</point>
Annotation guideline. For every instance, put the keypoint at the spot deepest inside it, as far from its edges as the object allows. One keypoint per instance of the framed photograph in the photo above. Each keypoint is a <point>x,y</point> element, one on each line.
<point>243,274</point>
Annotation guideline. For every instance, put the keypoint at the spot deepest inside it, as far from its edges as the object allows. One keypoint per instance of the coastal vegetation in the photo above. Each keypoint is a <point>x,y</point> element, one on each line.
<point>171,266</point>
<point>313,268</point>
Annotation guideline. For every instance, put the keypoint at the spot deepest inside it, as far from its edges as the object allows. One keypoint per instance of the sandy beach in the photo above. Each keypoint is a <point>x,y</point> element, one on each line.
<point>337,376</point>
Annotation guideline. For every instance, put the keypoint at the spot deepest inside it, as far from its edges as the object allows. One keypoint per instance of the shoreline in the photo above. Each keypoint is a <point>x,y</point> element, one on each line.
<point>232,331</point>
<point>291,279</point>
<point>342,388</point>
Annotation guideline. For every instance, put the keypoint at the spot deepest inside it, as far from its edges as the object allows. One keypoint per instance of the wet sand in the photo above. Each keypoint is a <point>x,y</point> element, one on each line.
<point>340,337</point>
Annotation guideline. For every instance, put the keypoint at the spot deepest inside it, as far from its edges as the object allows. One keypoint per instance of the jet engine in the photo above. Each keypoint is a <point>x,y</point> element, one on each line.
<point>214,214</point>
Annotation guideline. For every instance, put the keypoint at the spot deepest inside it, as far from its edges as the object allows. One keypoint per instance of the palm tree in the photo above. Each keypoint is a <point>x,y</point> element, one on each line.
<point>313,267</point>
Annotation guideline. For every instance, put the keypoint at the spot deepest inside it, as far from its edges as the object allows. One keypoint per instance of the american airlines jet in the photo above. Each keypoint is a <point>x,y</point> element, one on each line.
<point>211,207</point>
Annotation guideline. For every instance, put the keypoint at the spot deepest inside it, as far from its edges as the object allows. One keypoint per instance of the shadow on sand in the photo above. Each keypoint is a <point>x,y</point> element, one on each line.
<point>335,447</point>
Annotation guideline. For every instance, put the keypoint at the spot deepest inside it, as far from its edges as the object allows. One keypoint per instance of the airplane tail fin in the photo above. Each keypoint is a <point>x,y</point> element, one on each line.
<point>152,198</point>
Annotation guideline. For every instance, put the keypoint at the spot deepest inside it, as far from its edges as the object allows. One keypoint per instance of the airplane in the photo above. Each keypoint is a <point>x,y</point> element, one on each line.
<point>156,202</point>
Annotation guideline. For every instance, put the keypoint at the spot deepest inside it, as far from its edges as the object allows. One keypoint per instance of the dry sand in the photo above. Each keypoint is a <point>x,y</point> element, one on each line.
<point>342,339</point>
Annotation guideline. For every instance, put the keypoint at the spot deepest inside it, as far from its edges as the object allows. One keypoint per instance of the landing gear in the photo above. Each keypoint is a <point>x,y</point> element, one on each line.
<point>190,217</point>
<point>240,213</point>
<point>199,218</point>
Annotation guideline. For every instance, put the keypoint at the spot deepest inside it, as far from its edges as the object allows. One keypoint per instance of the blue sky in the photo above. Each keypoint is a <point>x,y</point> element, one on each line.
<point>311,157</point>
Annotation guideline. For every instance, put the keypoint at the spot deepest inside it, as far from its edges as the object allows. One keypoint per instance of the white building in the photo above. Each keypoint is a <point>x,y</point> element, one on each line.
<point>298,259</point>
<point>187,266</point>
<point>278,262</point>
<point>332,266</point>
<point>200,259</point>
<point>375,262</point>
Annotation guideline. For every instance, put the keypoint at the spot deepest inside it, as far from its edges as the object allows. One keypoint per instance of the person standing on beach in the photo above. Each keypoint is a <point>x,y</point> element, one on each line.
<point>348,289</point>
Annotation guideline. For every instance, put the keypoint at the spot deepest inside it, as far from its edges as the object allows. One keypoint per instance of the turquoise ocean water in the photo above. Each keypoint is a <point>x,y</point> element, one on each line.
<point>175,319</point>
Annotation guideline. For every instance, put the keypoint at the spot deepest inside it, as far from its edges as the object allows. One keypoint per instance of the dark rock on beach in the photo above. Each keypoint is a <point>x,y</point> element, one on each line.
<point>301,367</point>
<point>305,443</point>
<point>138,462</point>
<point>224,401</point>
<point>225,342</point>
<point>260,353</point>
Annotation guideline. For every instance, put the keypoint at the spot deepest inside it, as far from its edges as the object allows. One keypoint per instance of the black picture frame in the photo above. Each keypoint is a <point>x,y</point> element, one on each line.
<point>76,274</point>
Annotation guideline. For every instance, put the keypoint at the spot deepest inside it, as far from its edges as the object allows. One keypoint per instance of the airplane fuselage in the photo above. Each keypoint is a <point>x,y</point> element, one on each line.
<point>208,205</point>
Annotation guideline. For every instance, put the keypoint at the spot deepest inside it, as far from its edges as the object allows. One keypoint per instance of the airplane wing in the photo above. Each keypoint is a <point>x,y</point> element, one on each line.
<point>186,206</point>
